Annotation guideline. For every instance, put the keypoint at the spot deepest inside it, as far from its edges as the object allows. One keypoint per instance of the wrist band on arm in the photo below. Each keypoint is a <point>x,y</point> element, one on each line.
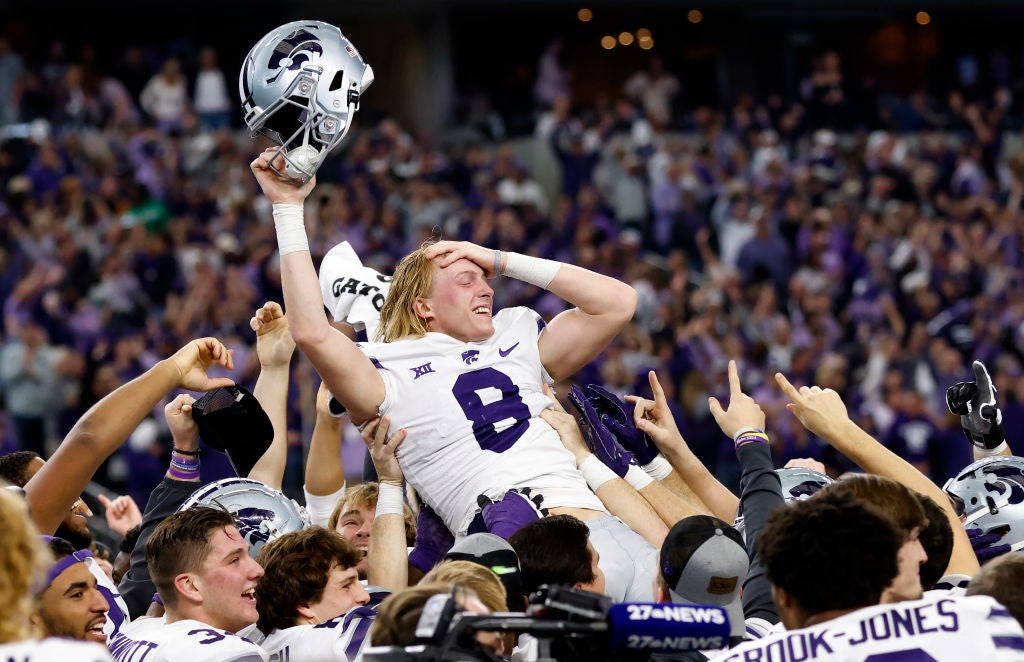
<point>595,472</point>
<point>751,438</point>
<point>291,228</point>
<point>533,270</point>
<point>742,431</point>
<point>637,477</point>
<point>497,263</point>
<point>177,450</point>
<point>988,452</point>
<point>390,500</point>
<point>184,467</point>
<point>658,468</point>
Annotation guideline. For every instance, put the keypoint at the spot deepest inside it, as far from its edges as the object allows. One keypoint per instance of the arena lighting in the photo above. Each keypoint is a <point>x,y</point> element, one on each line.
<point>643,33</point>
<point>646,43</point>
<point>607,42</point>
<point>694,16</point>
<point>923,18</point>
<point>625,38</point>
<point>584,15</point>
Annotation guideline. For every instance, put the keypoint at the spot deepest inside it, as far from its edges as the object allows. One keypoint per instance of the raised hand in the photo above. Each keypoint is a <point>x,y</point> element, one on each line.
<point>819,410</point>
<point>603,442</point>
<point>975,403</point>
<point>278,189</point>
<point>384,449</point>
<point>743,411</point>
<point>184,431</point>
<point>654,418</point>
<point>194,359</point>
<point>618,418</point>
<point>122,513</point>
<point>274,343</point>
<point>450,251</point>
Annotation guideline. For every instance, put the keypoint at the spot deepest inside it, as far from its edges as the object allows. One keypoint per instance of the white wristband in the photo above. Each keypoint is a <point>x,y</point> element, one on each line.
<point>595,472</point>
<point>291,228</point>
<point>998,450</point>
<point>658,468</point>
<point>533,270</point>
<point>390,500</point>
<point>637,477</point>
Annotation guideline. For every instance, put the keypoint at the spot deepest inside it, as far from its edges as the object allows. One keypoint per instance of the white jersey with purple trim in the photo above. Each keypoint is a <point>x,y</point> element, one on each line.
<point>155,640</point>
<point>53,649</point>
<point>340,638</point>
<point>471,412</point>
<point>950,629</point>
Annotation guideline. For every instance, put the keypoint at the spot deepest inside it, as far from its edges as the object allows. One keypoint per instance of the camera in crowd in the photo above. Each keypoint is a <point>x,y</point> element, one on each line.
<point>569,625</point>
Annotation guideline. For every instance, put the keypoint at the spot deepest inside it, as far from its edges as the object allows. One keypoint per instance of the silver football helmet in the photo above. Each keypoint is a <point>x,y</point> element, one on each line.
<point>991,493</point>
<point>797,484</point>
<point>987,486</point>
<point>300,86</point>
<point>261,513</point>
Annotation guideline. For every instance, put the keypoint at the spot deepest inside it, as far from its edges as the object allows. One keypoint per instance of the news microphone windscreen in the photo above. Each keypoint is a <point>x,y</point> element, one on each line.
<point>667,627</point>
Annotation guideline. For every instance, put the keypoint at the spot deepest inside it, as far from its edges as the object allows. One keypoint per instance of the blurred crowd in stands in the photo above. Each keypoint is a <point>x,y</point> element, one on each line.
<point>867,244</point>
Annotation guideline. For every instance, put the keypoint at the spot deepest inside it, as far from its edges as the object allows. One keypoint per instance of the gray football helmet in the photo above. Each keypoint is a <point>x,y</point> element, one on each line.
<point>986,486</point>
<point>300,87</point>
<point>990,492</point>
<point>797,484</point>
<point>261,513</point>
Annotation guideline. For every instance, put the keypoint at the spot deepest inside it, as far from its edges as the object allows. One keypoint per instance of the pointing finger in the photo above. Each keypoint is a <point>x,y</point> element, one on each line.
<point>786,387</point>
<point>734,380</point>
<point>659,393</point>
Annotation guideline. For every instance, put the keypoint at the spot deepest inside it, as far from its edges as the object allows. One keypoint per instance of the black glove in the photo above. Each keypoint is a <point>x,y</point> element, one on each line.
<point>975,403</point>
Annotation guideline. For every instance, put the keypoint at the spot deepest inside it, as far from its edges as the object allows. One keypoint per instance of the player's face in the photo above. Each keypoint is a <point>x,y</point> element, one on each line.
<point>354,526</point>
<point>907,584</point>
<point>227,581</point>
<point>342,593</point>
<point>461,304</point>
<point>73,607</point>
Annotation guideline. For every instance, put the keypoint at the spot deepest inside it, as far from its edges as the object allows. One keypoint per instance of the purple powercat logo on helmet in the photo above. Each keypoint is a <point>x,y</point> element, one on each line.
<point>253,524</point>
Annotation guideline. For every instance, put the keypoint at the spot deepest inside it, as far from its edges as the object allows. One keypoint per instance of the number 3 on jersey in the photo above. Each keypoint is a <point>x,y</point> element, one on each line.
<point>509,411</point>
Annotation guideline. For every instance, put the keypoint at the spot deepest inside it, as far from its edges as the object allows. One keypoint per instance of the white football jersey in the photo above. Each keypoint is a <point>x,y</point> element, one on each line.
<point>340,638</point>
<point>54,649</point>
<point>471,412</point>
<point>155,640</point>
<point>953,628</point>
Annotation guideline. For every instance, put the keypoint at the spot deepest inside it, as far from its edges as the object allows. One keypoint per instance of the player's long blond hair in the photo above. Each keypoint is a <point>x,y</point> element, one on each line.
<point>23,561</point>
<point>472,575</point>
<point>413,277</point>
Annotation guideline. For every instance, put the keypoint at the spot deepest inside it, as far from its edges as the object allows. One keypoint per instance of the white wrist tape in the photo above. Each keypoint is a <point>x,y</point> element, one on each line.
<point>390,500</point>
<point>291,228</point>
<point>595,472</point>
<point>998,450</point>
<point>533,270</point>
<point>658,468</point>
<point>637,477</point>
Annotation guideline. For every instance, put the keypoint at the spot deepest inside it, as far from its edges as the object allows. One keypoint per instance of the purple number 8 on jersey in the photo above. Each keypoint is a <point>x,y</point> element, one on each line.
<point>485,417</point>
